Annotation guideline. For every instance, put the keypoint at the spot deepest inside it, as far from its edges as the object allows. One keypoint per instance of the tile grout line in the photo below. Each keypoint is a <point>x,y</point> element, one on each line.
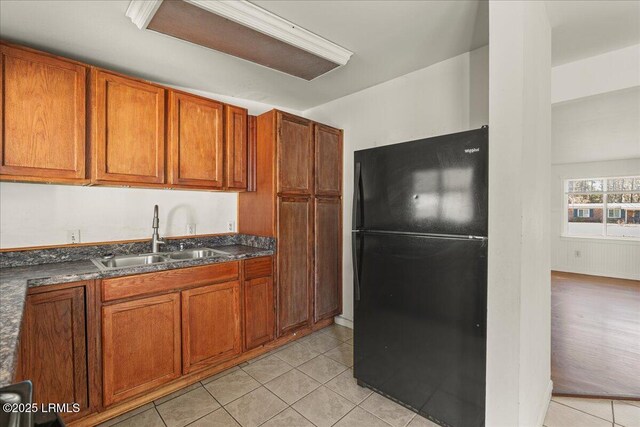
<point>240,397</point>
<point>297,412</point>
<point>161,417</point>
<point>348,412</point>
<point>208,413</point>
<point>169,400</point>
<point>125,418</point>
<point>270,418</point>
<point>415,414</point>
<point>589,413</point>
<point>300,398</point>
<point>613,413</point>
<point>232,417</point>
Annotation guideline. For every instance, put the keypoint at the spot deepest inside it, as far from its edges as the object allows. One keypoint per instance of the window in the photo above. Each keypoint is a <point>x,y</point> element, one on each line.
<point>588,199</point>
<point>614,213</point>
<point>583,213</point>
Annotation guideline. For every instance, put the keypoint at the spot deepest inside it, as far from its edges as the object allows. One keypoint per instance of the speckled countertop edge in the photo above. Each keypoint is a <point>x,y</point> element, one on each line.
<point>15,281</point>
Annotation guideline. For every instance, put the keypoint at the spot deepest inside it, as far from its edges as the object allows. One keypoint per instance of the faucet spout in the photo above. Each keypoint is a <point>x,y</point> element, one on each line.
<point>156,241</point>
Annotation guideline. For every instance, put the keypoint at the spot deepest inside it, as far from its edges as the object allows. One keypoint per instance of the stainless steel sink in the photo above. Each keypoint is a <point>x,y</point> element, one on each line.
<point>130,260</point>
<point>197,253</point>
<point>122,261</point>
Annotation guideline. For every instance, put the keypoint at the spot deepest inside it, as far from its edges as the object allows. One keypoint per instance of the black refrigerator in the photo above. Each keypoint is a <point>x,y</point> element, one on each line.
<point>419,245</point>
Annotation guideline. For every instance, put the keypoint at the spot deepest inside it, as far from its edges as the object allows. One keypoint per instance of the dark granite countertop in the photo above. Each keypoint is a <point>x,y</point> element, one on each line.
<point>14,282</point>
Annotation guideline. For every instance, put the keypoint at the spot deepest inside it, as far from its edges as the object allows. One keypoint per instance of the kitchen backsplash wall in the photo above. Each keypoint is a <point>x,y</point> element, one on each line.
<point>44,214</point>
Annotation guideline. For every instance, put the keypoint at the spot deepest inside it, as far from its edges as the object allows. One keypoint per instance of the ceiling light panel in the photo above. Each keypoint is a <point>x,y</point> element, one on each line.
<point>242,29</point>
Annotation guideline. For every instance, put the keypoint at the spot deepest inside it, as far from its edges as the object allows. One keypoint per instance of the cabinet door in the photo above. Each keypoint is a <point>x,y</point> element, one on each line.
<point>258,312</point>
<point>237,144</point>
<point>328,258</point>
<point>53,353</point>
<point>128,128</point>
<point>328,161</point>
<point>196,141</point>
<point>140,345</point>
<point>295,154</point>
<point>210,325</point>
<point>42,111</point>
<point>294,262</point>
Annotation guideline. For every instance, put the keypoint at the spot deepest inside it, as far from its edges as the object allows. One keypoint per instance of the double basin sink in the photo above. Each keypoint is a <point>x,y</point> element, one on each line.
<point>122,261</point>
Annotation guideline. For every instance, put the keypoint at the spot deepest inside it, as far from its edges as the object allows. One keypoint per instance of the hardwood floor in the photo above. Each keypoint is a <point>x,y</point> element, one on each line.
<point>595,336</point>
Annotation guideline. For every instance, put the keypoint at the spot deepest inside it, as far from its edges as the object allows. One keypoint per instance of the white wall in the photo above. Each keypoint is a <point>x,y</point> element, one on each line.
<point>447,97</point>
<point>594,136</point>
<point>597,128</point>
<point>518,330</point>
<point>41,214</point>
<point>611,71</point>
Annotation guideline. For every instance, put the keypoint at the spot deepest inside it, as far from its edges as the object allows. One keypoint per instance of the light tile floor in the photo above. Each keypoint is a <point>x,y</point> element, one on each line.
<point>572,411</point>
<point>310,383</point>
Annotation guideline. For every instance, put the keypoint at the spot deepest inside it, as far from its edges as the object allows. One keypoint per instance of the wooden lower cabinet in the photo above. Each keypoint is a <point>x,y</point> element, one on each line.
<point>295,229</point>
<point>204,320</point>
<point>211,329</point>
<point>259,312</point>
<point>327,271</point>
<point>53,348</point>
<point>140,345</point>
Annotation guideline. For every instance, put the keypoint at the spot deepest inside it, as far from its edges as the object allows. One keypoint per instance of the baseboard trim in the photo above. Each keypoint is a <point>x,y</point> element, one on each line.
<point>343,321</point>
<point>608,274</point>
<point>545,405</point>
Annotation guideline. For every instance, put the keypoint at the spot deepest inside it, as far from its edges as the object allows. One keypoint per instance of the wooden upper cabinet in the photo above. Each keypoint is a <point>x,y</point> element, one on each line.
<point>140,346</point>
<point>42,112</point>
<point>236,132</point>
<point>128,130</point>
<point>196,141</point>
<point>53,352</point>
<point>327,274</point>
<point>328,161</point>
<point>211,326</point>
<point>295,154</point>
<point>294,240</point>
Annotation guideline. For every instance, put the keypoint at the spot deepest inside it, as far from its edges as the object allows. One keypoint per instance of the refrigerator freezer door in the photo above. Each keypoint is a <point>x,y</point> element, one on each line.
<point>420,323</point>
<point>435,185</point>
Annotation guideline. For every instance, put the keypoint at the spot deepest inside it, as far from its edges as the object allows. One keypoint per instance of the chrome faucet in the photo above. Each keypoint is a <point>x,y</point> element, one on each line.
<point>155,238</point>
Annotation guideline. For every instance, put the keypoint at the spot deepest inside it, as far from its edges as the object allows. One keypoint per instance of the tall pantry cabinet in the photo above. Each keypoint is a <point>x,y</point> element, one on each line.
<point>298,200</point>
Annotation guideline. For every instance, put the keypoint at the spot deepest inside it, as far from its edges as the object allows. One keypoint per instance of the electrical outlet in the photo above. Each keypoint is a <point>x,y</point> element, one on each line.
<point>191,229</point>
<point>231,226</point>
<point>577,254</point>
<point>73,236</point>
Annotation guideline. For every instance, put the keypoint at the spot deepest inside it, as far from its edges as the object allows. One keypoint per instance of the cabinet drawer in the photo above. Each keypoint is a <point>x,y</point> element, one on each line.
<point>151,283</point>
<point>258,267</point>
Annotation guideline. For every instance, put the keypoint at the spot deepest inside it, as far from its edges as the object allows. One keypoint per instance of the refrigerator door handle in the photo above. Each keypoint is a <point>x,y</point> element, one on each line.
<point>356,265</point>
<point>358,215</point>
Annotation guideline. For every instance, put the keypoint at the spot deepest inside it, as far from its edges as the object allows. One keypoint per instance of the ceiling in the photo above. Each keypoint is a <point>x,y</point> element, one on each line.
<point>388,38</point>
<point>587,28</point>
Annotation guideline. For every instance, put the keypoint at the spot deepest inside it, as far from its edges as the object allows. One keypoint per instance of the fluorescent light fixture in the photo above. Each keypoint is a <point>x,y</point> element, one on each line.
<point>246,13</point>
